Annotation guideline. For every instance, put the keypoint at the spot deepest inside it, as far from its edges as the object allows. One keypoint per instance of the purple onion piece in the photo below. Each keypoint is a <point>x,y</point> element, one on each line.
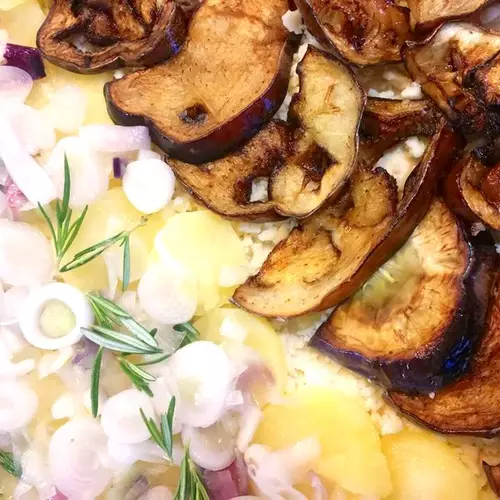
<point>227,483</point>
<point>57,496</point>
<point>85,354</point>
<point>119,165</point>
<point>28,59</point>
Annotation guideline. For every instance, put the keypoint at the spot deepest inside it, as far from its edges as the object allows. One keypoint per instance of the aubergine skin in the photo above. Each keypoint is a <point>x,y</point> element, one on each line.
<point>493,474</point>
<point>449,356</point>
<point>228,136</point>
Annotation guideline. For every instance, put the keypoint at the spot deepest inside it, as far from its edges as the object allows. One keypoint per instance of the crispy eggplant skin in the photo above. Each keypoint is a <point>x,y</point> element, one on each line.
<point>426,15</point>
<point>464,191</point>
<point>220,90</point>
<point>420,336</point>
<point>444,65</point>
<point>329,256</point>
<point>362,32</point>
<point>470,406</point>
<point>325,114</point>
<point>493,474</point>
<point>163,32</point>
<point>225,186</point>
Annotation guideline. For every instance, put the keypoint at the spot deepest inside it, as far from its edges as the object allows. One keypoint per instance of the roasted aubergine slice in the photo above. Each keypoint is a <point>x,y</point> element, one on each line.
<point>90,37</point>
<point>493,474</point>
<point>362,32</point>
<point>412,327</point>
<point>471,405</point>
<point>446,66</point>
<point>428,14</point>
<point>472,190</point>
<point>229,79</point>
<point>330,255</point>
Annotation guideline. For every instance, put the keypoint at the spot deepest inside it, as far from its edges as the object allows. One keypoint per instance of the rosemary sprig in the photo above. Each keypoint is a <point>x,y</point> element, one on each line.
<point>190,483</point>
<point>191,334</point>
<point>9,464</point>
<point>162,436</point>
<point>140,378</point>
<point>94,383</point>
<point>126,263</point>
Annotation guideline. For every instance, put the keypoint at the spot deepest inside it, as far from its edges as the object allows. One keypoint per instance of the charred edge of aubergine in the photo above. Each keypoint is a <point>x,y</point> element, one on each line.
<point>227,137</point>
<point>449,358</point>
<point>493,475</point>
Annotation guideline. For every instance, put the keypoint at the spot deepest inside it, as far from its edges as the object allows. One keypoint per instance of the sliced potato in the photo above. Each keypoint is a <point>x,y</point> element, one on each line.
<point>351,451</point>
<point>228,81</point>
<point>414,325</point>
<point>425,468</point>
<point>362,32</point>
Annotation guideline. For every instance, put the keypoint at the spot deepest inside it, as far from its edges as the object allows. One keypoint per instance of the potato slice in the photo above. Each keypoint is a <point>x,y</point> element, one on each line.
<point>472,190</point>
<point>413,326</point>
<point>330,255</point>
<point>351,451</point>
<point>424,467</point>
<point>228,80</point>
<point>362,32</point>
<point>120,33</point>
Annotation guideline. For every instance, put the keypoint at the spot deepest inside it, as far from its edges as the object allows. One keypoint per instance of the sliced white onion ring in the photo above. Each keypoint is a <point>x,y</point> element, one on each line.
<point>121,419</point>
<point>77,453</point>
<point>29,177</point>
<point>26,256</point>
<point>161,401</point>
<point>18,405</point>
<point>128,454</point>
<point>149,185</point>
<point>211,448</point>
<point>199,375</point>
<point>12,303</point>
<point>33,307</point>
<point>15,86</point>
<point>89,177</point>
<point>116,139</point>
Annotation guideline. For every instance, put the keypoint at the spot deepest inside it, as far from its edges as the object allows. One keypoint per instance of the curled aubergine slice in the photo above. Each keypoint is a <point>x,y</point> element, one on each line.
<point>412,327</point>
<point>446,66</point>
<point>228,80</point>
<point>330,255</point>
<point>471,405</point>
<point>493,474</point>
<point>90,37</point>
<point>472,190</point>
<point>362,32</point>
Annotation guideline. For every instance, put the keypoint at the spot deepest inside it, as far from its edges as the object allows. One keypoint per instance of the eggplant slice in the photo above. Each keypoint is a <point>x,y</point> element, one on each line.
<point>470,406</point>
<point>447,65</point>
<point>413,325</point>
<point>493,474</point>
<point>228,81</point>
<point>362,32</point>
<point>330,255</point>
<point>90,37</point>
<point>472,190</point>
<point>428,14</point>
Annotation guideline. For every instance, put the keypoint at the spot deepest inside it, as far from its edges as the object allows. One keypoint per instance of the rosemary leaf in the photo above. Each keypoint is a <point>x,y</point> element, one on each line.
<point>9,464</point>
<point>108,306</point>
<point>138,371</point>
<point>190,483</point>
<point>191,334</point>
<point>94,383</point>
<point>126,263</point>
<point>163,435</point>
<point>118,342</point>
<point>154,361</point>
<point>138,382</point>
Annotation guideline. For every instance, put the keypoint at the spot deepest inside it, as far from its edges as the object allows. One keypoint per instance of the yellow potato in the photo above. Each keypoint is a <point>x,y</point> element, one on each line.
<point>21,21</point>
<point>260,336</point>
<point>351,449</point>
<point>204,243</point>
<point>423,467</point>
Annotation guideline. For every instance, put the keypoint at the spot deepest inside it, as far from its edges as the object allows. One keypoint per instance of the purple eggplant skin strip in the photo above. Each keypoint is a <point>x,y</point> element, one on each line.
<point>28,59</point>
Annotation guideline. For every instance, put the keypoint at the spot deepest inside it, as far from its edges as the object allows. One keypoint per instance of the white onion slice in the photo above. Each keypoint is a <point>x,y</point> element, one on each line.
<point>66,109</point>
<point>75,300</point>
<point>77,453</point>
<point>13,301</point>
<point>89,176</point>
<point>199,376</point>
<point>250,421</point>
<point>121,419</point>
<point>15,86</point>
<point>211,448</point>
<point>161,401</point>
<point>167,294</point>
<point>26,256</point>
<point>29,177</point>
<point>128,454</point>
<point>18,405</point>
<point>147,154</point>
<point>157,493</point>
<point>149,185</point>
<point>116,139</point>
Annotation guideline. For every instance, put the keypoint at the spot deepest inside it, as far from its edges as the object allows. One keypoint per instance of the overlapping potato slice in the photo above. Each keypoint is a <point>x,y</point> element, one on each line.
<point>472,190</point>
<point>229,79</point>
<point>362,32</point>
<point>331,254</point>
<point>471,405</point>
<point>306,161</point>
<point>449,68</point>
<point>412,327</point>
<point>90,37</point>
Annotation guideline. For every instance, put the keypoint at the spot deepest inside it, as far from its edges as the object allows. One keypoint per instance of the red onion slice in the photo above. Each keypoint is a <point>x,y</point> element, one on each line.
<point>15,86</point>
<point>28,59</point>
<point>228,483</point>
<point>116,139</point>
